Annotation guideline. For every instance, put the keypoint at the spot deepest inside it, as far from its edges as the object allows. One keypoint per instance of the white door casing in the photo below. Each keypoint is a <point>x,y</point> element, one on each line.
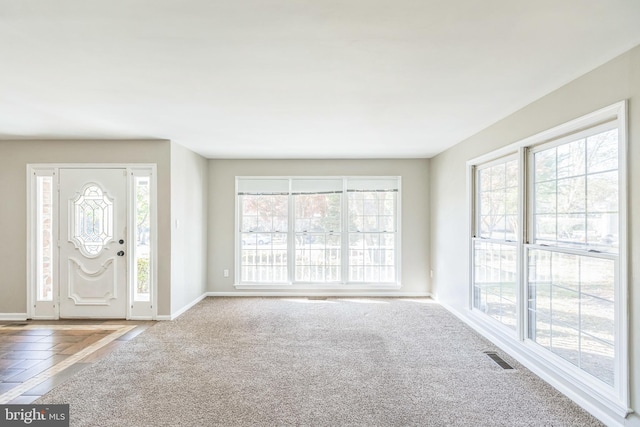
<point>92,257</point>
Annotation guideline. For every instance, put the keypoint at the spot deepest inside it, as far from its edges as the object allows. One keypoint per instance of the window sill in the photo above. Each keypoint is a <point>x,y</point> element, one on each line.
<point>319,287</point>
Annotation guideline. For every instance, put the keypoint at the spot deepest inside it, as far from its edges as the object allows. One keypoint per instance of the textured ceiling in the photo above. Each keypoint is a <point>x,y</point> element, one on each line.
<point>294,79</point>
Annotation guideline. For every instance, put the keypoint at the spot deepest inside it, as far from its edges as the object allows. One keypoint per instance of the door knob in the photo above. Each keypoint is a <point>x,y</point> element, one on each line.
<point>121,241</point>
<point>120,253</point>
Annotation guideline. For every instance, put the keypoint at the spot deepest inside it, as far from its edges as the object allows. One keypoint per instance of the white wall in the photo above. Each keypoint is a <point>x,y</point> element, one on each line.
<point>415,210</point>
<point>612,82</point>
<point>14,157</point>
<point>189,222</point>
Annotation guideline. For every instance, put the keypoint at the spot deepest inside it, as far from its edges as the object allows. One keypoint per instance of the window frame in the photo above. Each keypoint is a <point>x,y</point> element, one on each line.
<point>567,377</point>
<point>344,283</point>
<point>143,308</point>
<point>349,232</point>
<point>530,190</point>
<point>36,307</point>
<point>241,233</point>
<point>619,391</point>
<point>476,237</point>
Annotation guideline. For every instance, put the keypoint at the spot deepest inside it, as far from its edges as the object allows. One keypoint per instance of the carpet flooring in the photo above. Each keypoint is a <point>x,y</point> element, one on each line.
<point>301,362</point>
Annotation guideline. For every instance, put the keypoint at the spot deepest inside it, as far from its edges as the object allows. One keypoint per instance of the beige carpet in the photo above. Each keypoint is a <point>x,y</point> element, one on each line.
<point>276,362</point>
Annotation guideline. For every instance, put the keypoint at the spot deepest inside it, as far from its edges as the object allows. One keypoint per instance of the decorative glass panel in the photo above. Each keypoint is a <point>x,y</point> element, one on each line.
<point>142,274</point>
<point>44,238</point>
<point>93,220</point>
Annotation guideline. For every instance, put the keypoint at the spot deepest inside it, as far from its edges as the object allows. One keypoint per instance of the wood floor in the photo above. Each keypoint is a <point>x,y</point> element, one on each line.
<point>36,356</point>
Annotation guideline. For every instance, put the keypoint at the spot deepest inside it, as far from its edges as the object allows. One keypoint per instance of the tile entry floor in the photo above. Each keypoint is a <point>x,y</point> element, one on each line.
<point>35,356</point>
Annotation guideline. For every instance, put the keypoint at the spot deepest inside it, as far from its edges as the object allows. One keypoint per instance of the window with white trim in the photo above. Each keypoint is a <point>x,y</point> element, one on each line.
<point>372,231</point>
<point>574,249</point>
<point>263,233</point>
<point>318,230</point>
<point>555,274</point>
<point>495,242</point>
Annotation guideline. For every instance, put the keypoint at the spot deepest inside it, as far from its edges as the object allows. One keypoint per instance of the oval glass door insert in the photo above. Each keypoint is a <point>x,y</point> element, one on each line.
<point>92,220</point>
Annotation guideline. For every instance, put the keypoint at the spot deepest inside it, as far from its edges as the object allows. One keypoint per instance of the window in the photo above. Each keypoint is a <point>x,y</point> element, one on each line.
<point>554,275</point>
<point>142,242</point>
<point>142,248</point>
<point>318,226</point>
<point>264,218</point>
<point>44,238</point>
<point>372,231</point>
<point>495,247</point>
<point>318,230</point>
<point>574,250</point>
<point>575,194</point>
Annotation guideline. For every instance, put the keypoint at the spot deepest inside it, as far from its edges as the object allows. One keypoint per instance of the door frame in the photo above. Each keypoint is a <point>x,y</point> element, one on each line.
<point>51,309</point>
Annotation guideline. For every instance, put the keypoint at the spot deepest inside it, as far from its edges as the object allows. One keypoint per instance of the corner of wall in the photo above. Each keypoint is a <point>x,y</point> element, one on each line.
<point>188,224</point>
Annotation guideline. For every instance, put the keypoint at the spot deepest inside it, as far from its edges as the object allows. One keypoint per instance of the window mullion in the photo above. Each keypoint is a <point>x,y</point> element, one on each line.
<point>291,236</point>
<point>521,261</point>
<point>344,229</point>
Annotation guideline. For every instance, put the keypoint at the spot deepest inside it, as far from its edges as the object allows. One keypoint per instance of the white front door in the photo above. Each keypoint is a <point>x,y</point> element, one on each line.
<point>93,225</point>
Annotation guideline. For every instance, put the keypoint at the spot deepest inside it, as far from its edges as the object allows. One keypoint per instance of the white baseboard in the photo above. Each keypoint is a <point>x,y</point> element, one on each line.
<point>183,309</point>
<point>320,294</point>
<point>13,317</point>
<point>589,403</point>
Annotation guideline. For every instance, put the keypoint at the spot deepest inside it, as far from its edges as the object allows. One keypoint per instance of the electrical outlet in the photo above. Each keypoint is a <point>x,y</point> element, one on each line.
<point>225,272</point>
